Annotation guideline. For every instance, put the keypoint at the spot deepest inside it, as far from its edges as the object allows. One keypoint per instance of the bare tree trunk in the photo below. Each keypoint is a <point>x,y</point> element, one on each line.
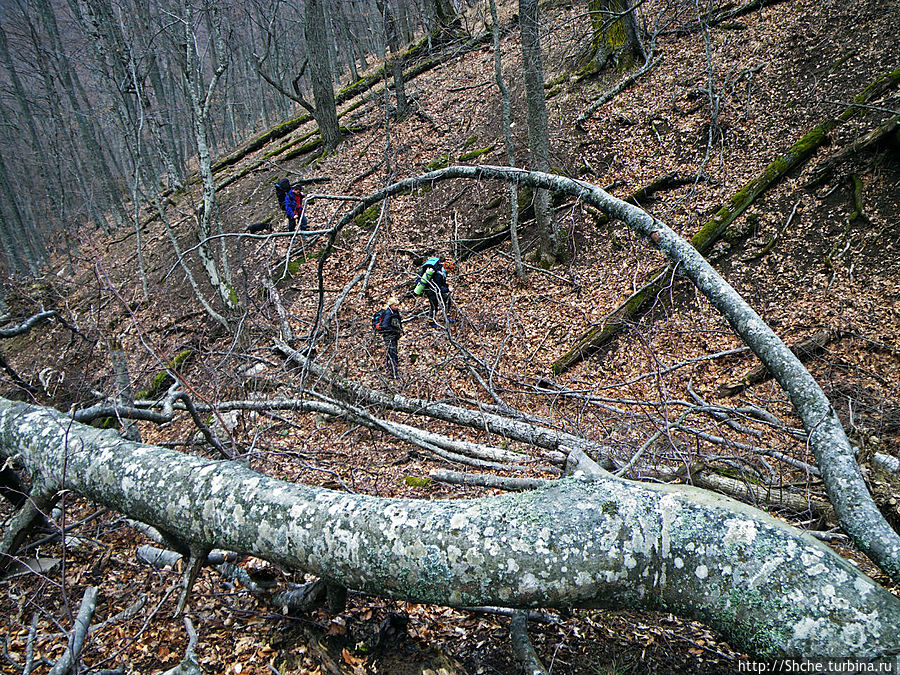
<point>538,130</point>
<point>320,74</point>
<point>43,186</point>
<point>392,36</point>
<point>510,150</point>
<point>70,84</point>
<point>200,96</point>
<point>23,235</point>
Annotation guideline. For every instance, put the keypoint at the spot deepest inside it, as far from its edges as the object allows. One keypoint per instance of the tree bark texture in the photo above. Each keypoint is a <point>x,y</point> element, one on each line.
<point>855,509</point>
<point>769,589</point>
<point>538,128</point>
<point>320,74</point>
<point>614,38</point>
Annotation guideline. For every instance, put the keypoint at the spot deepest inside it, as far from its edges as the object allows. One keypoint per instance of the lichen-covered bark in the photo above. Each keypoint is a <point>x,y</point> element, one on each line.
<point>855,509</point>
<point>767,587</point>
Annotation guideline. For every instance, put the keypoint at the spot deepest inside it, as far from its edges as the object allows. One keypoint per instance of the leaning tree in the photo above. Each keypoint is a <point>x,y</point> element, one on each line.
<point>590,540</point>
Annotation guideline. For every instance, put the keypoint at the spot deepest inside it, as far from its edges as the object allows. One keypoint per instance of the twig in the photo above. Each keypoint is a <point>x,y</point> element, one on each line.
<point>79,632</point>
<point>523,651</point>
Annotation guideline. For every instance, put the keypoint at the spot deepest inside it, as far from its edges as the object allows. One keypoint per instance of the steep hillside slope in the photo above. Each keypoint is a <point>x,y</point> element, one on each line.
<point>720,105</point>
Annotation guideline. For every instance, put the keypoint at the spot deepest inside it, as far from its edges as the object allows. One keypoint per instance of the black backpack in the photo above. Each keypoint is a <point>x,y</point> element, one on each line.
<point>381,321</point>
<point>282,187</point>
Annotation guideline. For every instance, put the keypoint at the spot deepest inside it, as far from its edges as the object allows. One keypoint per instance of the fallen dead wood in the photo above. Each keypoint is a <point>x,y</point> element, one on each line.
<point>523,650</point>
<point>598,337</point>
<point>518,430</point>
<point>486,480</point>
<point>28,324</point>
<point>717,17</point>
<point>714,553</point>
<point>810,347</point>
<point>626,82</point>
<point>334,408</point>
<point>856,510</point>
<point>476,243</point>
<point>67,662</point>
<point>874,137</point>
<point>763,495</point>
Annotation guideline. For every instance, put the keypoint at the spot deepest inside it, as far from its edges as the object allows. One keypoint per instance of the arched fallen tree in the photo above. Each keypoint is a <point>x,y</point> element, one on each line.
<point>578,543</point>
<point>769,589</point>
<point>857,513</point>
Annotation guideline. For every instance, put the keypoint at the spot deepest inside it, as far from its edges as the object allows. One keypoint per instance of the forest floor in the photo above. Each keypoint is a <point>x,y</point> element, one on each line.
<point>797,256</point>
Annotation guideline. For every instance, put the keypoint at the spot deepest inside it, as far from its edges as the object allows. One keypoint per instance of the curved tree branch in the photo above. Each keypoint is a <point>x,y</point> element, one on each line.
<point>855,509</point>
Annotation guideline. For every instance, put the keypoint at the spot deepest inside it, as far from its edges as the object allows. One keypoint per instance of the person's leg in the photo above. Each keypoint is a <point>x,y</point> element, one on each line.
<point>392,357</point>
<point>433,302</point>
<point>444,307</point>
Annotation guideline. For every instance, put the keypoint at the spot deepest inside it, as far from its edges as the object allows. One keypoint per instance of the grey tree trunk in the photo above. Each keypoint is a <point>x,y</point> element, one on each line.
<point>769,589</point>
<point>538,129</point>
<point>37,147</point>
<point>96,159</point>
<point>15,262</point>
<point>510,148</point>
<point>320,74</point>
<point>200,95</point>
<point>392,36</point>
<point>24,234</point>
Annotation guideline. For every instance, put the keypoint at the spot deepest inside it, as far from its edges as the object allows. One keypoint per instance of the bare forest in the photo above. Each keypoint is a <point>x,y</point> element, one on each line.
<point>636,405</point>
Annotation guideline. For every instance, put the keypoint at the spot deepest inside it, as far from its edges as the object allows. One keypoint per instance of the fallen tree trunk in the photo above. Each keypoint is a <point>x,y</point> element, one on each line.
<point>856,511</point>
<point>598,337</point>
<point>812,346</point>
<point>604,542</point>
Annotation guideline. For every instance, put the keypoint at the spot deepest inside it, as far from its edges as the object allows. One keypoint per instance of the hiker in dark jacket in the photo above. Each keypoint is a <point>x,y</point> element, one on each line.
<point>392,327</point>
<point>433,283</point>
<point>291,202</point>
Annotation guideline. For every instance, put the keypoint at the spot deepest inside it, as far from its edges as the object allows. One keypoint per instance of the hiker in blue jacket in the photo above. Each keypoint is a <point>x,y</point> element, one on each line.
<point>292,203</point>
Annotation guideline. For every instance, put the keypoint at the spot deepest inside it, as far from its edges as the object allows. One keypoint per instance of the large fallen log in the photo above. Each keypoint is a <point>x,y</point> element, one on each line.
<point>598,337</point>
<point>580,542</point>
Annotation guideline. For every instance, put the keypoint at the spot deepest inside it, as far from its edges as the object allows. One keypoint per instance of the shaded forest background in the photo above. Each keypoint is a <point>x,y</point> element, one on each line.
<point>104,206</point>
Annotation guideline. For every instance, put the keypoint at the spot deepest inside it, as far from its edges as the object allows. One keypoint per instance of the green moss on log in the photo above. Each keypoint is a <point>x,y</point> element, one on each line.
<point>474,154</point>
<point>368,219</point>
<point>712,230</point>
<point>162,380</point>
<point>440,162</point>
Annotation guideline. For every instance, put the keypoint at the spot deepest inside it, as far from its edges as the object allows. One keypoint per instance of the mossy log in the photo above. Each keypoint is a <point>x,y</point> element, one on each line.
<point>883,133</point>
<point>362,85</point>
<point>259,142</point>
<point>812,346</point>
<point>598,337</point>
